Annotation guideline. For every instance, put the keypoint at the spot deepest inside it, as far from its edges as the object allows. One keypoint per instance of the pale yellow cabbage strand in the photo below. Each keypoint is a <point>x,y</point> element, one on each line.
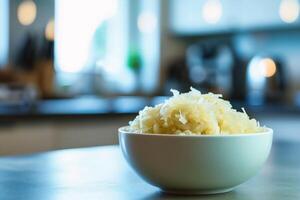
<point>194,113</point>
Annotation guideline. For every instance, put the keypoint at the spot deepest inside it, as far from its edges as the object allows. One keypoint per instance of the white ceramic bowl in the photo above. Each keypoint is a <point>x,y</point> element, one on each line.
<point>195,164</point>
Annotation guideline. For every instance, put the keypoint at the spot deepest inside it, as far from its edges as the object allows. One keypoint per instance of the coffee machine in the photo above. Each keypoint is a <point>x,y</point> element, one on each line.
<point>210,66</point>
<point>265,80</point>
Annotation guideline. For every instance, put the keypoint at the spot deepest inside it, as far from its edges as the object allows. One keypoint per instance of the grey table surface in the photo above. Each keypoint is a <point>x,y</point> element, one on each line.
<point>102,173</point>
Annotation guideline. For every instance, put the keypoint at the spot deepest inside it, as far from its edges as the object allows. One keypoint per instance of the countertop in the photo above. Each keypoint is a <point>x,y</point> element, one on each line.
<point>90,106</point>
<point>102,173</point>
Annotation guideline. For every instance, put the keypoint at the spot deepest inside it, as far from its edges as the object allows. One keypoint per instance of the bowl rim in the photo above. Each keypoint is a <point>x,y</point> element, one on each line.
<point>122,130</point>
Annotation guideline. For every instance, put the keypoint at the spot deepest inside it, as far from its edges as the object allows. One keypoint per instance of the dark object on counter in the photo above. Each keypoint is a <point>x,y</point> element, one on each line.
<point>47,50</point>
<point>266,81</point>
<point>177,77</point>
<point>210,66</point>
<point>27,53</point>
<point>239,80</point>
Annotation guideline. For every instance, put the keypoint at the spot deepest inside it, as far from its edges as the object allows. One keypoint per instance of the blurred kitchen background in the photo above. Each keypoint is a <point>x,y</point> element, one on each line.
<point>73,71</point>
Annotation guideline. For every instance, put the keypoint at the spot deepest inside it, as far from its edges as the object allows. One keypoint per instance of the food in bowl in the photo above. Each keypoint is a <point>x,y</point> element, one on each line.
<point>195,143</point>
<point>194,113</point>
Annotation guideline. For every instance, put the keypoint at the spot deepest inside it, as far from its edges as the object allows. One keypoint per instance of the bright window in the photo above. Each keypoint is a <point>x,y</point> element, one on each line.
<point>3,32</point>
<point>91,37</point>
<point>95,38</point>
<point>149,40</point>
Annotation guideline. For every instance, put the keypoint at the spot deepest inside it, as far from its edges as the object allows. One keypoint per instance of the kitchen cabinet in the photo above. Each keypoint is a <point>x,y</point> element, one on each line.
<point>256,14</point>
<point>35,136</point>
<point>188,17</point>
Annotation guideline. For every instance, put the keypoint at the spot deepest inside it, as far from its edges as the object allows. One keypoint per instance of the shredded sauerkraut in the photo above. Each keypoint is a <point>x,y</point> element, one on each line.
<point>194,113</point>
